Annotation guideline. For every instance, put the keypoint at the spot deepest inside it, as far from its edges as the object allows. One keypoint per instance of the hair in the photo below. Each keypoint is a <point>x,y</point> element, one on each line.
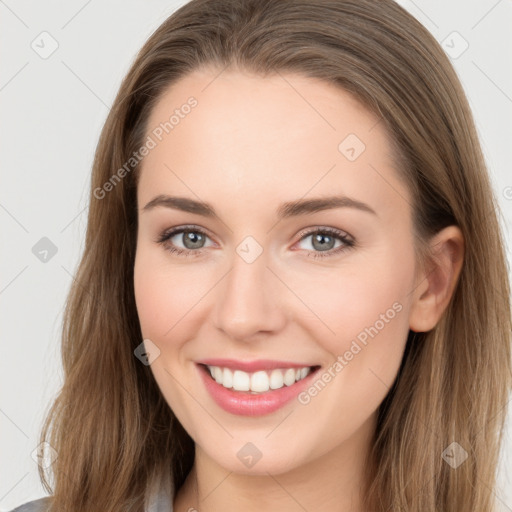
<point>110,425</point>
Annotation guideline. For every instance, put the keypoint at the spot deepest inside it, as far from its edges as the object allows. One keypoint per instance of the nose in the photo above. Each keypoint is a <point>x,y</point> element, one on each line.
<point>248,303</point>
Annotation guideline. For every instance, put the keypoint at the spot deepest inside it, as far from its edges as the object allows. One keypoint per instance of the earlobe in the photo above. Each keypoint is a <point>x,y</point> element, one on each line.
<point>435,284</point>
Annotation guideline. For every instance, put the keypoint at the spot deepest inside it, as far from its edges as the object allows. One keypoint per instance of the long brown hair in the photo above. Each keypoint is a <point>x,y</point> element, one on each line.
<point>110,425</point>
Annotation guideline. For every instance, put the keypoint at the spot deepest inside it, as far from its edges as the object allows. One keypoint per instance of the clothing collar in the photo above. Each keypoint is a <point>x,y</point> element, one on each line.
<point>160,495</point>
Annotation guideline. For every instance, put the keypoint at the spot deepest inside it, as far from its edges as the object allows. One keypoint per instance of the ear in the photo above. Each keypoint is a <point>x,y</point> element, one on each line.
<point>435,284</point>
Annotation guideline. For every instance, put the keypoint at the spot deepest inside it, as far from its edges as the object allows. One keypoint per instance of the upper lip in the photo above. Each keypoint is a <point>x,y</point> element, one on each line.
<point>252,366</point>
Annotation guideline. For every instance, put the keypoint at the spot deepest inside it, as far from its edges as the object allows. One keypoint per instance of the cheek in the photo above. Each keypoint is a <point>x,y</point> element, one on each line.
<point>366,310</point>
<point>163,296</point>
<point>164,302</point>
<point>371,327</point>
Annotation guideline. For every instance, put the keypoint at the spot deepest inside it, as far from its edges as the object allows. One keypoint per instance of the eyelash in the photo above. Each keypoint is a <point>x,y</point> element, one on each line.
<point>166,235</point>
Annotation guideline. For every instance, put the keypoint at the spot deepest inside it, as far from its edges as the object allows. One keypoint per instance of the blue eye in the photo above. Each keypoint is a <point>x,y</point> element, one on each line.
<point>195,238</point>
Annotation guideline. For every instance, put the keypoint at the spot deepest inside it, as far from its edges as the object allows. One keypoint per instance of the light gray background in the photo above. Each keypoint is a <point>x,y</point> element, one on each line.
<point>52,113</point>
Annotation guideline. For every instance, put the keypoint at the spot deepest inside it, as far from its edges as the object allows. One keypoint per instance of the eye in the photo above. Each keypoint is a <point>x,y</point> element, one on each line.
<point>192,237</point>
<point>323,242</point>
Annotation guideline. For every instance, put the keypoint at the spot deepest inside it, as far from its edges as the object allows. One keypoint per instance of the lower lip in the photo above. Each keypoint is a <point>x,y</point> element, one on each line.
<point>247,404</point>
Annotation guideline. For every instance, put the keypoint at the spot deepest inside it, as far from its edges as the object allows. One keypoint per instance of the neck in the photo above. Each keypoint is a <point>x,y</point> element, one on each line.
<point>331,482</point>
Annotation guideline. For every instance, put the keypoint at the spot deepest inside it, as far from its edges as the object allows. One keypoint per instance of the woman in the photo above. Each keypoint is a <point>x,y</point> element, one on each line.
<point>293,294</point>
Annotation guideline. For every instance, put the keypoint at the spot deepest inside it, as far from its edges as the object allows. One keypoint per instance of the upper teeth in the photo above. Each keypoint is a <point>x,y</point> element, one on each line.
<point>257,382</point>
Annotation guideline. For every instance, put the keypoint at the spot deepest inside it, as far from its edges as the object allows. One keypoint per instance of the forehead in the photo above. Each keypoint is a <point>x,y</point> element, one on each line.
<point>278,137</point>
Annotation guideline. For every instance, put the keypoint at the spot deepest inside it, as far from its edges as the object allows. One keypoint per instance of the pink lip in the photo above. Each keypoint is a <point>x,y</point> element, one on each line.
<point>252,366</point>
<point>246,404</point>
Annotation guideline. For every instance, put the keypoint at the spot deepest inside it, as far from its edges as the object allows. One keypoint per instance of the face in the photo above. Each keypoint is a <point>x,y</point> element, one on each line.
<point>270,278</point>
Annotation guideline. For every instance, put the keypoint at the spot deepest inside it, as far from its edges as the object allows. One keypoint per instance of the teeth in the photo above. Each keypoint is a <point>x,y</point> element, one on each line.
<point>217,374</point>
<point>227,378</point>
<point>289,377</point>
<point>241,380</point>
<point>260,381</point>
<point>276,379</point>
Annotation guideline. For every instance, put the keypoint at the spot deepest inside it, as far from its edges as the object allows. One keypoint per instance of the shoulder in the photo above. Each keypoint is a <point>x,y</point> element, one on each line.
<point>39,505</point>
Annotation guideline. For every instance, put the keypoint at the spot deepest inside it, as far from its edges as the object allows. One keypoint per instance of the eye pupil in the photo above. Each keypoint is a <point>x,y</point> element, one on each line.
<point>320,239</point>
<point>194,238</point>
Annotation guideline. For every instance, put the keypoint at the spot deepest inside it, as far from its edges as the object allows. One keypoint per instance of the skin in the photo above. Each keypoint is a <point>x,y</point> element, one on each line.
<point>249,145</point>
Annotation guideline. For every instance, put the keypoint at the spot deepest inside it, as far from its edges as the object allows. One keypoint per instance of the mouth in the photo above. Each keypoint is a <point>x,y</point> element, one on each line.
<point>254,393</point>
<point>258,382</point>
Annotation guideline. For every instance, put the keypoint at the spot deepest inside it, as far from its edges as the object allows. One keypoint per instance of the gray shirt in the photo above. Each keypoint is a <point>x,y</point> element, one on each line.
<point>159,498</point>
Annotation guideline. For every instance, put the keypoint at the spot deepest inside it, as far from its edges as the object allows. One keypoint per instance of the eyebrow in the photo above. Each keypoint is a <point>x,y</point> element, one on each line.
<point>285,210</point>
